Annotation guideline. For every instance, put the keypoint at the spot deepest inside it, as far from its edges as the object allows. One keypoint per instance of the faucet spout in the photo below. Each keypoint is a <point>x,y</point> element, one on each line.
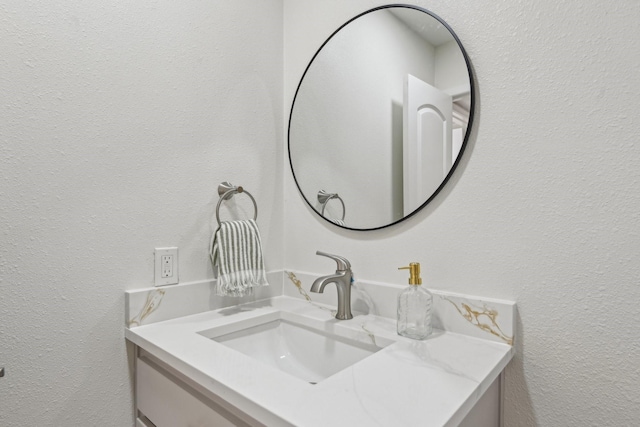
<point>320,283</point>
<point>342,278</point>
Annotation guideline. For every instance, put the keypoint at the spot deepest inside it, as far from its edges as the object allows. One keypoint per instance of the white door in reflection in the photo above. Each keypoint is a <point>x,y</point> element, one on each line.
<point>427,148</point>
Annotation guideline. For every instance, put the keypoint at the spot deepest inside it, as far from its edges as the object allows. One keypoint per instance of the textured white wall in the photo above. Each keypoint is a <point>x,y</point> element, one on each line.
<point>544,208</point>
<point>117,122</point>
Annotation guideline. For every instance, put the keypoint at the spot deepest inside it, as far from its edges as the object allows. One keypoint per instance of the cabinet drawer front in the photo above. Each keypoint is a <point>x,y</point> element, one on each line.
<point>169,404</point>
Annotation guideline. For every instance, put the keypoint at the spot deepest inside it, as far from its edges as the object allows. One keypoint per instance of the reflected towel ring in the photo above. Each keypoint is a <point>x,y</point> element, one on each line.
<point>324,197</point>
<point>226,191</point>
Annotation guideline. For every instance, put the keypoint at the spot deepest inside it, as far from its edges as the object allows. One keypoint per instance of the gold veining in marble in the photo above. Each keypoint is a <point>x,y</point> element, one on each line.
<point>154,298</point>
<point>298,284</point>
<point>371,335</point>
<point>302,292</point>
<point>476,317</point>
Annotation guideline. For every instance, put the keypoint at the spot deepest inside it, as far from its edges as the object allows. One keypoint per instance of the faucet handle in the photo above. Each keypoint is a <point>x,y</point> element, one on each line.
<point>342,262</point>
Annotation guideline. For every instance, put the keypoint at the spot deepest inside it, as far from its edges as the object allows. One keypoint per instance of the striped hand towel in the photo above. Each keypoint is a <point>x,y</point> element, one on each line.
<point>236,254</point>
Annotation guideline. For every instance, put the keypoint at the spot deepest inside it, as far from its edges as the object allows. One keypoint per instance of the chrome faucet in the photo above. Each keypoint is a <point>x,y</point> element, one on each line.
<point>342,279</point>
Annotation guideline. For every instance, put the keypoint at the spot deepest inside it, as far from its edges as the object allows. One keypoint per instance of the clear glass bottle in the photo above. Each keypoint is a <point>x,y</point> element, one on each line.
<point>414,307</point>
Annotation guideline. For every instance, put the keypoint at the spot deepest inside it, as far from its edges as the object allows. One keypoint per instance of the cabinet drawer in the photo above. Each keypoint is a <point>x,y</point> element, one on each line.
<point>168,402</point>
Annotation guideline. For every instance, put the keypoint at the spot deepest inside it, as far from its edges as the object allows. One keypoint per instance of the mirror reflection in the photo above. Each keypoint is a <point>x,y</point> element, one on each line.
<point>380,117</point>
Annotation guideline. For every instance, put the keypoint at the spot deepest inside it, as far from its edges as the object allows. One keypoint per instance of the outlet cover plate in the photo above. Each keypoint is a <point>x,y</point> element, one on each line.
<point>166,260</point>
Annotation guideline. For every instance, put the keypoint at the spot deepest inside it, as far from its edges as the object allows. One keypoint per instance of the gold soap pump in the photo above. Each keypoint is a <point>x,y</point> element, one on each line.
<point>414,273</point>
<point>414,306</point>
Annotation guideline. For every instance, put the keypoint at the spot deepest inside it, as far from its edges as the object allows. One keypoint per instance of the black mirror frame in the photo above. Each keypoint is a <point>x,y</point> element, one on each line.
<point>464,142</point>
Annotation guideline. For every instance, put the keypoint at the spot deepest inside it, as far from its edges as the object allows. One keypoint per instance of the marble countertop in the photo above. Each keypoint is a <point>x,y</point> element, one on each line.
<point>434,382</point>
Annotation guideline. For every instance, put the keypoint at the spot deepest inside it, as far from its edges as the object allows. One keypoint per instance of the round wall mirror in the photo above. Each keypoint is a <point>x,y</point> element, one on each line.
<point>381,117</point>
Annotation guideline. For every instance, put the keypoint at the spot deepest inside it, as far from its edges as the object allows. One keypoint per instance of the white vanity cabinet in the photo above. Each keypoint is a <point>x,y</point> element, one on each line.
<point>184,378</point>
<point>165,398</point>
<point>487,412</point>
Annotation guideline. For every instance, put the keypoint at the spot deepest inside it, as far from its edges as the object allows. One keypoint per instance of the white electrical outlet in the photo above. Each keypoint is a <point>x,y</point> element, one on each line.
<point>166,266</point>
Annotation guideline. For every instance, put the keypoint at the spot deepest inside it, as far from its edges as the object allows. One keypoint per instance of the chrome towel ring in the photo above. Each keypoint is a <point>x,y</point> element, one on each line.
<point>324,197</point>
<point>226,191</point>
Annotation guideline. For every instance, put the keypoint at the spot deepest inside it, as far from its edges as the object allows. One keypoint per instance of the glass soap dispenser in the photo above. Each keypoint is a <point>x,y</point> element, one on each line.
<point>414,307</point>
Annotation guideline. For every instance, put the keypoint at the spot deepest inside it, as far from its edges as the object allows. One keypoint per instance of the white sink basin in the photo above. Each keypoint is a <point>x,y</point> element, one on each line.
<point>309,349</point>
